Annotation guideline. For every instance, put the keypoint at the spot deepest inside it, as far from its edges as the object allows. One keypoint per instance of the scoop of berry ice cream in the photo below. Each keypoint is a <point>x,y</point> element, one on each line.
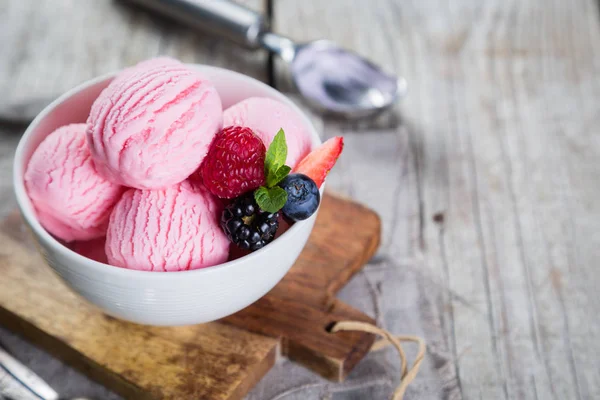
<point>151,127</point>
<point>72,201</point>
<point>173,229</point>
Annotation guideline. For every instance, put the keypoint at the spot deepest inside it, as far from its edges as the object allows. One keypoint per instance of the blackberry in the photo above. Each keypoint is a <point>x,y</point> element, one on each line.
<point>246,225</point>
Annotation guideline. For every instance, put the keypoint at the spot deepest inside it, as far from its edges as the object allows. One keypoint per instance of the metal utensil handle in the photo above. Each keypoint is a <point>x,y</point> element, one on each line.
<point>221,17</point>
<point>10,388</point>
<point>25,376</point>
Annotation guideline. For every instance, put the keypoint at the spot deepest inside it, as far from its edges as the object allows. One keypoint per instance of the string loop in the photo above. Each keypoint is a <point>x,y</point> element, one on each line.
<point>406,375</point>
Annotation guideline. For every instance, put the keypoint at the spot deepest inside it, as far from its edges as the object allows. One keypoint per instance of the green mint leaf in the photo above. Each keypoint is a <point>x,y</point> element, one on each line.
<point>276,154</point>
<point>270,199</point>
<point>275,177</point>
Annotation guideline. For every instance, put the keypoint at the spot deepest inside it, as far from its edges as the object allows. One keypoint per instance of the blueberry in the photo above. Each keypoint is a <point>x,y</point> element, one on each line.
<point>303,196</point>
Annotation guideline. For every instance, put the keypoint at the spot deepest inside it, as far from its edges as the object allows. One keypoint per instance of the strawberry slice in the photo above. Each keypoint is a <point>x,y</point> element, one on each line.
<point>319,162</point>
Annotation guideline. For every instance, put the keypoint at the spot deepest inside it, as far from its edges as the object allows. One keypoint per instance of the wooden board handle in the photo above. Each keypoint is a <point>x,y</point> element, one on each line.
<point>303,330</point>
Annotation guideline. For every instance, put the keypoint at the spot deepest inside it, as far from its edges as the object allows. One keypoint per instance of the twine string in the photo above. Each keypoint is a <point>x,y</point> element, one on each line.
<point>406,375</point>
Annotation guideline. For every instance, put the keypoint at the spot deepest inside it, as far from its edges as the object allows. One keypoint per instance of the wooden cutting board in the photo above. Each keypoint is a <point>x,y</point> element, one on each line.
<point>219,360</point>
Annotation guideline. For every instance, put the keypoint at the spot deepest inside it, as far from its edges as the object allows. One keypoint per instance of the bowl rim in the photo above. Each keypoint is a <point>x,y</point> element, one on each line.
<point>28,212</point>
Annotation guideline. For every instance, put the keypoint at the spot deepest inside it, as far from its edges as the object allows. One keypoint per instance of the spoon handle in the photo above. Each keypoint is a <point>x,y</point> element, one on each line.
<point>221,17</point>
<point>13,374</point>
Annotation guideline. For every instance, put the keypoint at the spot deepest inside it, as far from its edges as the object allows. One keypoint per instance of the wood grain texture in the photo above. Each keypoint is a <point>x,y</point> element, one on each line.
<point>487,183</point>
<point>208,361</point>
<point>50,46</point>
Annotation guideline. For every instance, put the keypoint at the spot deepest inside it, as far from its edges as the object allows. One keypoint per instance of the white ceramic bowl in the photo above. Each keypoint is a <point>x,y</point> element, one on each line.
<point>160,298</point>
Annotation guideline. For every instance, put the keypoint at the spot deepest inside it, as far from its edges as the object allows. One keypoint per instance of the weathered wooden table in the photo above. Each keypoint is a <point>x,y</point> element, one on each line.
<point>486,176</point>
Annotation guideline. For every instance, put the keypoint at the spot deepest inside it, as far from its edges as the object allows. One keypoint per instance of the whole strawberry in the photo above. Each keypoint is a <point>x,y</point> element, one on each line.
<point>234,164</point>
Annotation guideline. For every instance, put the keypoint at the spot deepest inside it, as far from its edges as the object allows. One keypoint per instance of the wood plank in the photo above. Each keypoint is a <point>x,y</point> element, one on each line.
<point>49,47</point>
<point>208,361</point>
<point>486,184</point>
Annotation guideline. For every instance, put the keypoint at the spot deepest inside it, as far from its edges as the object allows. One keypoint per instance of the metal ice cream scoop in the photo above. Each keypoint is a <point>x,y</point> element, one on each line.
<point>332,79</point>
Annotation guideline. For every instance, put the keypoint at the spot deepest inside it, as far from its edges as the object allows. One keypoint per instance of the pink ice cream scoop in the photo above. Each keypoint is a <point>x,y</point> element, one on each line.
<point>173,229</point>
<point>151,127</point>
<point>73,202</point>
<point>265,117</point>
